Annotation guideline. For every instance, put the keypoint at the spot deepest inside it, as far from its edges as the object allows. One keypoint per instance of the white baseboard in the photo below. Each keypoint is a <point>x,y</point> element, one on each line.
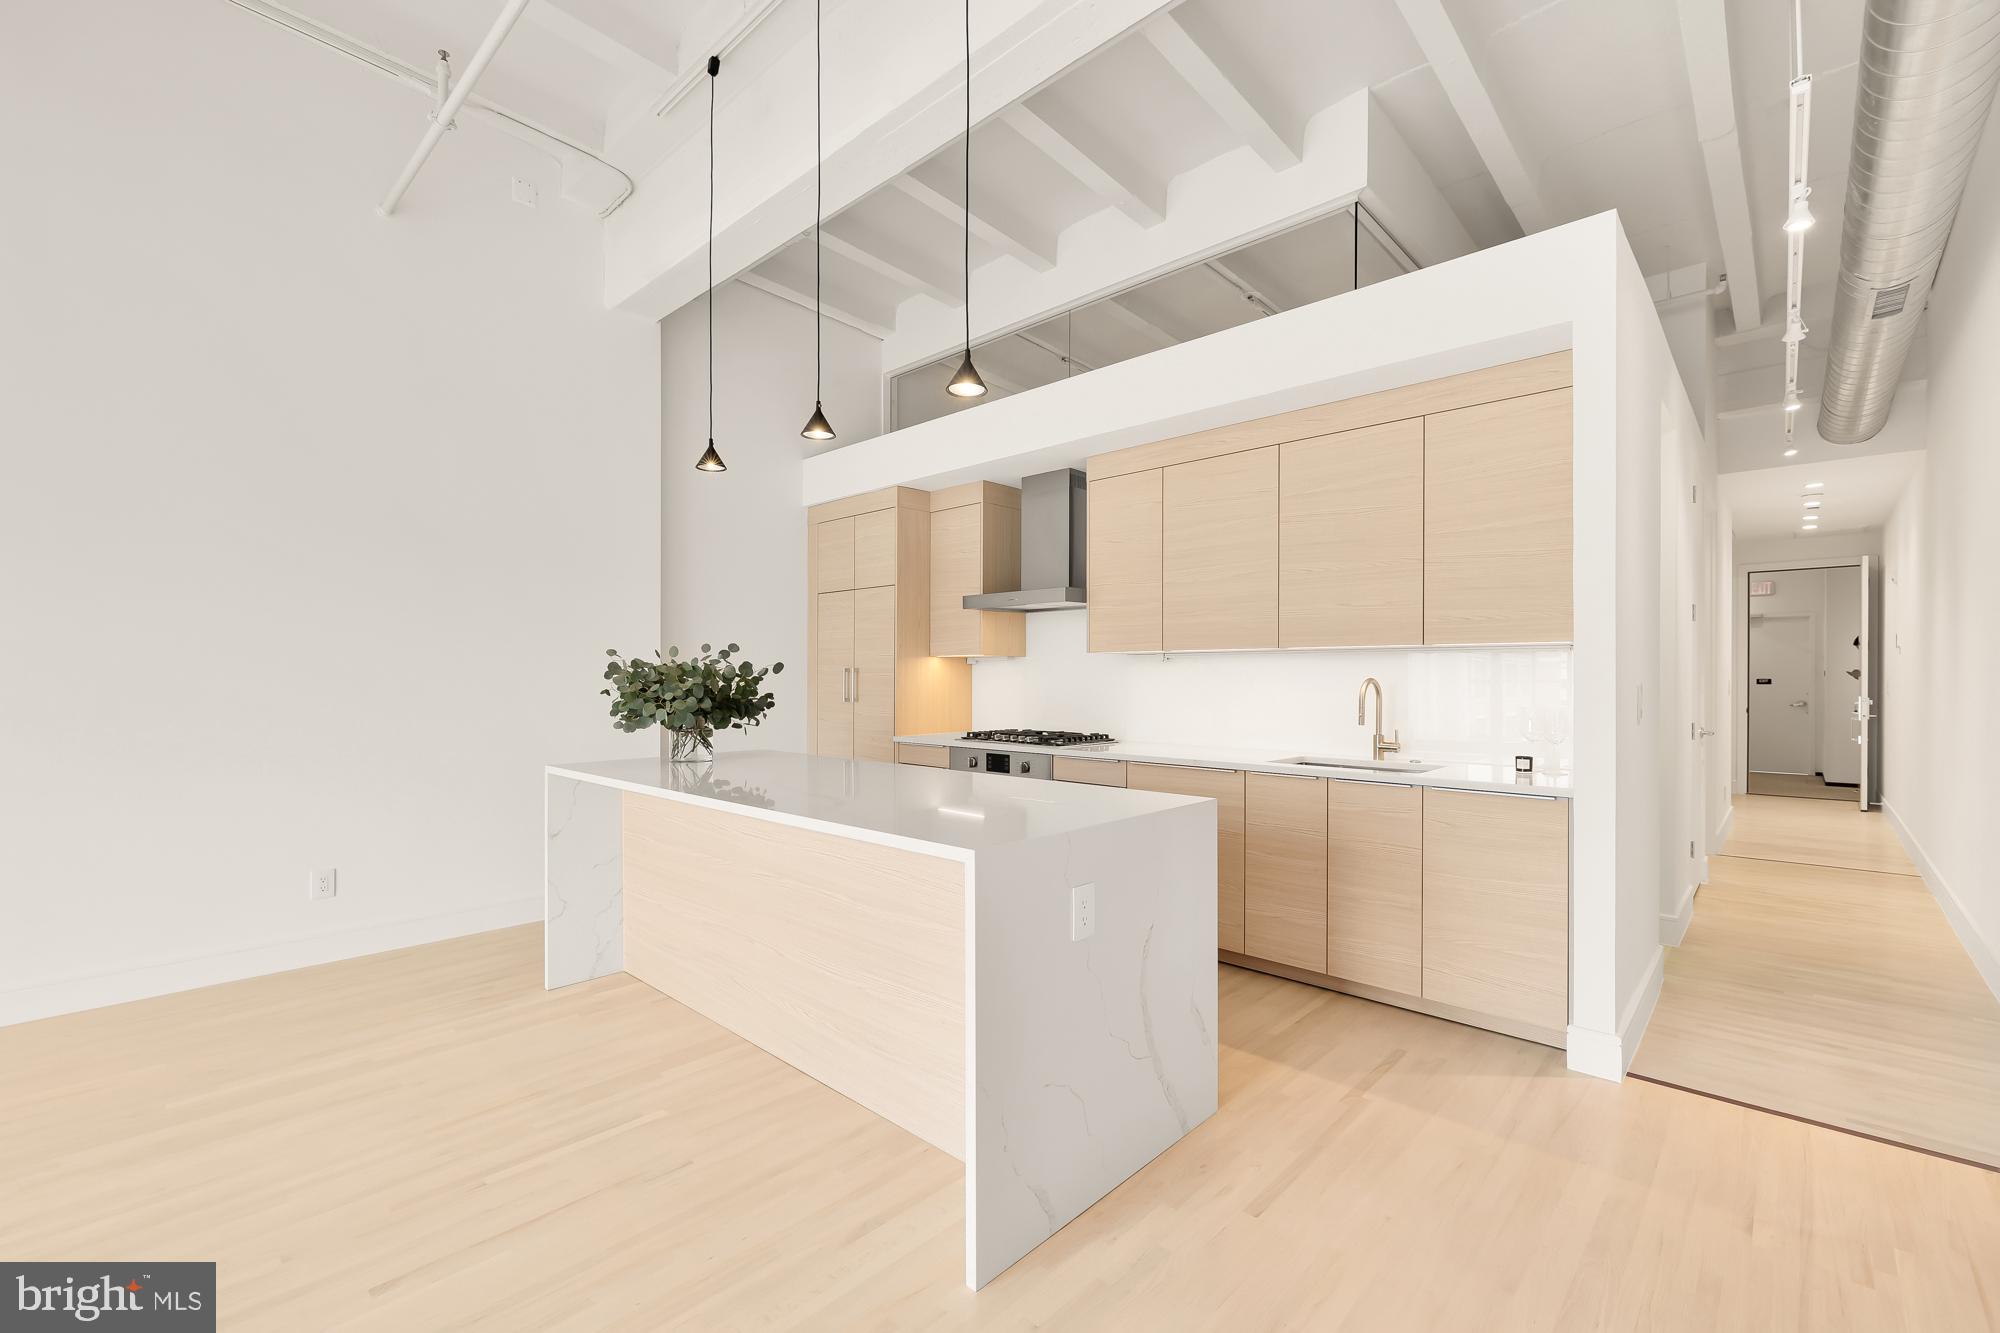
<point>1983,954</point>
<point>73,994</point>
<point>1608,1055</point>
<point>1722,832</point>
<point>1674,925</point>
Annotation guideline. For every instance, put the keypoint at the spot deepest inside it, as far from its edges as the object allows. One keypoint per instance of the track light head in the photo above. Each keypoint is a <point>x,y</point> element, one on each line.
<point>1800,218</point>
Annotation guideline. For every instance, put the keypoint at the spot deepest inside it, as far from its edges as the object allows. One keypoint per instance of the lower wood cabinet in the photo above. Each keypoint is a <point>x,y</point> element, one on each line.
<point>1225,788</point>
<point>1096,772</point>
<point>1375,885</point>
<point>1284,869</point>
<point>923,756</point>
<point>1496,905</point>
<point>854,674</point>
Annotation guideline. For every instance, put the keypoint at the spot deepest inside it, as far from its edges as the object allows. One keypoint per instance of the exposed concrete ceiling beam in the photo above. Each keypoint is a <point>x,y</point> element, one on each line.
<point>598,44</point>
<point>784,291</point>
<point>1444,49</point>
<point>870,258</point>
<point>1705,45</point>
<point>1222,93</point>
<point>1038,256</point>
<point>1121,185</point>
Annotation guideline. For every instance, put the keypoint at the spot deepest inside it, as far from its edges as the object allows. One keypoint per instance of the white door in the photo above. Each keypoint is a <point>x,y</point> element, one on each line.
<point>1864,699</point>
<point>1783,667</point>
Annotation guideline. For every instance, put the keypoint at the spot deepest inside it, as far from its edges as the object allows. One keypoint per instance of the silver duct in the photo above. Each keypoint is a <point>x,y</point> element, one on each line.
<point>1927,76</point>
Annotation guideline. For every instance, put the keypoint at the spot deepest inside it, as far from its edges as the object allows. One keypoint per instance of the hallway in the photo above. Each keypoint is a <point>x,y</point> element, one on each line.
<point>1821,980</point>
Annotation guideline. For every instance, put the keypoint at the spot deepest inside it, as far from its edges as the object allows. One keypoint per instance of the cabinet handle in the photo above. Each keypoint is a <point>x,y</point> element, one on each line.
<point>857,684</point>
<point>1510,795</point>
<point>846,689</point>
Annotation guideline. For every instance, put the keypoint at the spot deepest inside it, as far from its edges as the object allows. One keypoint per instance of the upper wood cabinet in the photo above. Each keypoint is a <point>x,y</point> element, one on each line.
<point>1284,869</point>
<point>1496,905</point>
<point>1220,552</point>
<point>1374,885</point>
<point>1351,538</point>
<point>975,548</point>
<point>870,670</point>
<point>833,555</point>
<point>1225,788</point>
<point>1124,565</point>
<point>1498,524</point>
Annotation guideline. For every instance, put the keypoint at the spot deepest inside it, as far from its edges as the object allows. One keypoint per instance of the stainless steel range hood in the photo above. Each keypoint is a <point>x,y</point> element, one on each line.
<point>1054,506</point>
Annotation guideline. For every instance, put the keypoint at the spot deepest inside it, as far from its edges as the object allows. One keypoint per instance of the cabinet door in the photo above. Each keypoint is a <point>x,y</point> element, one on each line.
<point>874,548</point>
<point>955,571</point>
<point>1284,870</point>
<point>1498,526</point>
<point>1096,772</point>
<point>833,679</point>
<point>834,555</point>
<point>1124,545</point>
<point>1224,787</point>
<point>1351,538</point>
<point>1375,885</point>
<point>1496,905</point>
<point>874,685</point>
<point>1220,552</point>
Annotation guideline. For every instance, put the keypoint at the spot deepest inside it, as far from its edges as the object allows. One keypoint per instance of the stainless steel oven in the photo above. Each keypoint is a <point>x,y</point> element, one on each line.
<point>1015,763</point>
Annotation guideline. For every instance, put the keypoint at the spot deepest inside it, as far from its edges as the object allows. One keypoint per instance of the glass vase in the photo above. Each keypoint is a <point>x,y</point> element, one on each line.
<point>687,746</point>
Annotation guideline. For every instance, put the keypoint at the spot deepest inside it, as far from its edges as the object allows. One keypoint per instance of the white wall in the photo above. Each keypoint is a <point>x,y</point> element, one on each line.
<point>1474,705</point>
<point>1774,552</point>
<point>733,544</point>
<point>316,524</point>
<point>1940,713</point>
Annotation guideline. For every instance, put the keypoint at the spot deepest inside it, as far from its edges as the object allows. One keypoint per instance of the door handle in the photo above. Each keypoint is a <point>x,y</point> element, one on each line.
<point>846,687</point>
<point>1797,703</point>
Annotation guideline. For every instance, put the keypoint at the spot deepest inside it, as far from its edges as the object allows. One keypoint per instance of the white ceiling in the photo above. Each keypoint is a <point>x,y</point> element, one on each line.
<point>1591,97</point>
<point>1856,493</point>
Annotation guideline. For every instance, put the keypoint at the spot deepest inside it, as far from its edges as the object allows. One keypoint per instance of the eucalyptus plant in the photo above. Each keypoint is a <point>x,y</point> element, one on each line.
<point>693,697</point>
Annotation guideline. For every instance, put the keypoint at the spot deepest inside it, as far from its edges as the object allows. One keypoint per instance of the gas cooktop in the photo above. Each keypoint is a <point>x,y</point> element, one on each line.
<point>1022,736</point>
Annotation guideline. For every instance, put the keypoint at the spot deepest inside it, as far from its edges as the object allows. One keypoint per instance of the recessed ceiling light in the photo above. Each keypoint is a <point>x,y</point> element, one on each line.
<point>1815,485</point>
<point>1808,526</point>
<point>1790,452</point>
<point>1812,504</point>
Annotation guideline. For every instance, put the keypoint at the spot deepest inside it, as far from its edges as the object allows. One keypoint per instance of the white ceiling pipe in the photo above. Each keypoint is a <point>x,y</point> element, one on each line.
<point>510,14</point>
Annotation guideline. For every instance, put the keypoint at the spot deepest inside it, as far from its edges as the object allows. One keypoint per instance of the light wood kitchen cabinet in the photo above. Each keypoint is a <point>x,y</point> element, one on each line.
<point>833,675</point>
<point>875,549</point>
<point>975,548</point>
<point>833,551</point>
<point>1224,787</point>
<point>1124,543</point>
<point>871,673</point>
<point>1375,884</point>
<point>1351,538</point>
<point>1096,772</point>
<point>923,756</point>
<point>1219,552</point>
<point>1496,905</point>
<point>1498,522</point>
<point>1284,870</point>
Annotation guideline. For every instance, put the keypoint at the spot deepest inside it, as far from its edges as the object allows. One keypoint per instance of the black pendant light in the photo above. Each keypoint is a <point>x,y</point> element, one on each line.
<point>817,426</point>
<point>710,460</point>
<point>966,383</point>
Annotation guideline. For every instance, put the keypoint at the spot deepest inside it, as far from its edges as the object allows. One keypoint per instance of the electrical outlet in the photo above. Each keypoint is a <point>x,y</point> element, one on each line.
<point>1083,911</point>
<point>322,884</point>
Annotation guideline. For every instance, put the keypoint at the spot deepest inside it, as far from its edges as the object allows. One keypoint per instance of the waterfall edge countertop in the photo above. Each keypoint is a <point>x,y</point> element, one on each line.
<point>929,810</point>
<point>1495,777</point>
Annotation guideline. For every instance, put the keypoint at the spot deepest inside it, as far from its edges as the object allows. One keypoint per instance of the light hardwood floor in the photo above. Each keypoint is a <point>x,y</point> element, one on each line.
<point>427,1139</point>
<point>1821,979</point>
<point>1808,785</point>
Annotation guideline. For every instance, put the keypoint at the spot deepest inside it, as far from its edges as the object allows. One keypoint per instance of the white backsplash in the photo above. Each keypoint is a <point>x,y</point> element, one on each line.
<point>1452,704</point>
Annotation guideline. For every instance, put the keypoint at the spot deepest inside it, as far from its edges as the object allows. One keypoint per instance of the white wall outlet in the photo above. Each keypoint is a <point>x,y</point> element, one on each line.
<point>322,884</point>
<point>1083,911</point>
<point>525,194</point>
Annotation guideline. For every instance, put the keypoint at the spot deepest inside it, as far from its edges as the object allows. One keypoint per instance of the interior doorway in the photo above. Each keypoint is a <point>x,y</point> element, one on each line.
<point>1806,704</point>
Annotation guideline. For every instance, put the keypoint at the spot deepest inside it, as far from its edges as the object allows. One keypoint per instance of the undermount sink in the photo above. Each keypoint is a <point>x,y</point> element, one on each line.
<point>1362,765</point>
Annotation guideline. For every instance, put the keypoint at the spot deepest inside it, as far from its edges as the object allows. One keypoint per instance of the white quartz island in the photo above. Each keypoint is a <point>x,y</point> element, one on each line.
<point>1022,973</point>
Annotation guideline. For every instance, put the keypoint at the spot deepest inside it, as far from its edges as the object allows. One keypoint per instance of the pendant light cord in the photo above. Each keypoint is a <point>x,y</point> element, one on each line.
<point>968,177</point>
<point>819,206</point>
<point>712,67</point>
